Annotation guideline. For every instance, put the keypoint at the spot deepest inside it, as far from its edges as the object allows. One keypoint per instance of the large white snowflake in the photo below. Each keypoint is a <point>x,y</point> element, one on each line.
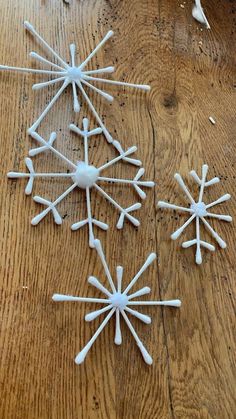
<point>198,211</point>
<point>74,74</point>
<point>84,176</point>
<point>119,303</point>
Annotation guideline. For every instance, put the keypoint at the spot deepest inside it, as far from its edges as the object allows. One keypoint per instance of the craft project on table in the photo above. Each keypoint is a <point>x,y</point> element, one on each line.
<point>83,175</point>
<point>75,75</point>
<point>198,211</point>
<point>119,303</point>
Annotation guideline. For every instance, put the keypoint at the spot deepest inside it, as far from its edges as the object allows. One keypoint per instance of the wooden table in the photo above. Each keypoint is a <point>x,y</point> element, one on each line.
<point>192,74</point>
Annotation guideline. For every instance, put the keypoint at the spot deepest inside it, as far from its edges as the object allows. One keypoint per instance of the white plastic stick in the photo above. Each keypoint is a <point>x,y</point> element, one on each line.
<point>82,354</point>
<point>119,275</point>
<point>116,159</point>
<point>90,56</point>
<point>96,283</point>
<point>52,205</point>
<point>109,69</point>
<point>118,83</point>
<point>90,223</point>
<point>146,356</point>
<point>163,204</point>
<point>143,317</point>
<point>48,107</point>
<point>184,187</point>
<point>222,217</point>
<point>29,70</point>
<point>148,184</point>
<point>198,256</point>
<point>199,14</point>
<point>98,247</point>
<point>132,219</point>
<point>62,297</point>
<point>204,174</point>
<point>219,240</point>
<point>38,86</point>
<point>45,61</point>
<point>94,314</point>
<point>148,262</point>
<point>180,230</point>
<point>170,303</point>
<point>223,198</point>
<point>139,293</point>
<point>97,117</point>
<point>27,175</point>
<point>99,91</point>
<point>31,29</point>
<point>48,145</point>
<point>118,337</point>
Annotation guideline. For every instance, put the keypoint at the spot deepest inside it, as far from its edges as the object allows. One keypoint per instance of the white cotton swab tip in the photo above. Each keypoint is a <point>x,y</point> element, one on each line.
<point>62,297</point>
<point>175,303</point>
<point>144,87</point>
<point>28,26</point>
<point>109,34</point>
<point>150,259</point>
<point>81,356</point>
<point>147,358</point>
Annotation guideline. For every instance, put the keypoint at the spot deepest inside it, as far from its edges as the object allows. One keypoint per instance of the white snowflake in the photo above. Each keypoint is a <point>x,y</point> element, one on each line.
<point>74,74</point>
<point>198,211</point>
<point>83,176</point>
<point>118,303</point>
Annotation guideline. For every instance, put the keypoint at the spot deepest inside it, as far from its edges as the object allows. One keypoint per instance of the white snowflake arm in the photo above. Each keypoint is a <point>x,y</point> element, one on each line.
<point>199,14</point>
<point>51,206</point>
<point>32,30</point>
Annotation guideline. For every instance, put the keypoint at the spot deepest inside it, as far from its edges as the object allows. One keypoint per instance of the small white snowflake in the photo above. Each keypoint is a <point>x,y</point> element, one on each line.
<point>74,74</point>
<point>198,211</point>
<point>118,303</point>
<point>83,176</point>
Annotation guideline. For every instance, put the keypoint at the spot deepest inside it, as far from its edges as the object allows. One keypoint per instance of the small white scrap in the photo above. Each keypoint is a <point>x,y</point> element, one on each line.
<point>199,14</point>
<point>118,303</point>
<point>198,211</point>
<point>84,176</point>
<point>74,74</point>
<point>212,120</point>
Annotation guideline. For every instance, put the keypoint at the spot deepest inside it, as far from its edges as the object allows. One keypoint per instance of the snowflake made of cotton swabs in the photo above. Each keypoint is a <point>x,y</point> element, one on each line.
<point>199,211</point>
<point>83,176</point>
<point>76,75</point>
<point>118,303</point>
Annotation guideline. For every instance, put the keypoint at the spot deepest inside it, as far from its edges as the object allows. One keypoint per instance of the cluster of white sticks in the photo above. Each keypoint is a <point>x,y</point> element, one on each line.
<point>118,303</point>
<point>199,211</point>
<point>74,74</point>
<point>83,176</point>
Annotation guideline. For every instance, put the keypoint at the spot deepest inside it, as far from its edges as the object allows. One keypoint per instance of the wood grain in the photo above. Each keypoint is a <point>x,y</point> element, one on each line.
<point>192,74</point>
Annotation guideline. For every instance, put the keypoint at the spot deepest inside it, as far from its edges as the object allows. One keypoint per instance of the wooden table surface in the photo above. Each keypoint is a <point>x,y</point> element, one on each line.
<point>192,74</point>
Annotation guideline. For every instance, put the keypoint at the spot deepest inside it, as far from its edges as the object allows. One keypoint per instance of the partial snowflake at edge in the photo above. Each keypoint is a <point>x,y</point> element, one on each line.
<point>198,211</point>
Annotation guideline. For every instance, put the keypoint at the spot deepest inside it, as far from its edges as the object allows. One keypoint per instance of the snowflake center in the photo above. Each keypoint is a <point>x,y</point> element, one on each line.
<point>199,209</point>
<point>85,175</point>
<point>74,73</point>
<point>119,300</point>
